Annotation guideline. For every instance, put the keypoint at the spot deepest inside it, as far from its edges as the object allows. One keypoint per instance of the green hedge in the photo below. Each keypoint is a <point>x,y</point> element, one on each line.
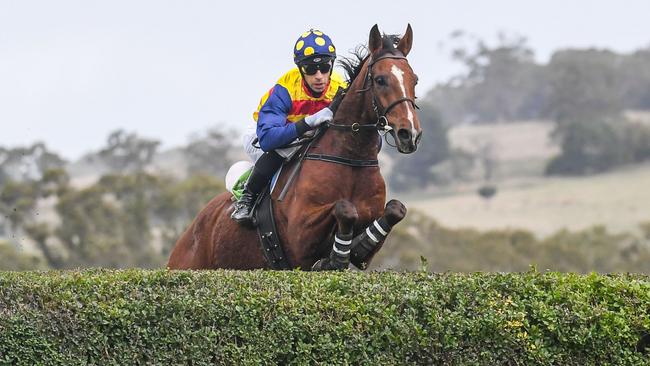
<point>134,317</point>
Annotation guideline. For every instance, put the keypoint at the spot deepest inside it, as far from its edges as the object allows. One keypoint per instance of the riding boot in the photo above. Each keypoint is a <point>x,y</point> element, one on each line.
<point>243,213</point>
<point>262,172</point>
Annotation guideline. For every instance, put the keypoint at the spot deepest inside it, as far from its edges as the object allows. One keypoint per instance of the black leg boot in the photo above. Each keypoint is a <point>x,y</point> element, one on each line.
<point>243,213</point>
<point>262,172</point>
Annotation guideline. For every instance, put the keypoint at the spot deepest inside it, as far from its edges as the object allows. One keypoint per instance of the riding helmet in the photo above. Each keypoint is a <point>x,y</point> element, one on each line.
<point>312,44</point>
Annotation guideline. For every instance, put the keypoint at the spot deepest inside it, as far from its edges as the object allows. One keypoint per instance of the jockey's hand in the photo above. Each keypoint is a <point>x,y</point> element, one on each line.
<point>319,117</point>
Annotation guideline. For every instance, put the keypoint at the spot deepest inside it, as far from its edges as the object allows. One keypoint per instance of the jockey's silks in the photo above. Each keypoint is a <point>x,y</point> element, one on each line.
<point>287,102</point>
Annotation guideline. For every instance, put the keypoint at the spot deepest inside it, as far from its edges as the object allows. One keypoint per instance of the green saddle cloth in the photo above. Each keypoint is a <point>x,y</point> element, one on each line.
<point>238,188</point>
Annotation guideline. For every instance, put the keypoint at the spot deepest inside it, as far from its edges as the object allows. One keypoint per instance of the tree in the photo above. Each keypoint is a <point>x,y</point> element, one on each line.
<point>127,152</point>
<point>120,221</point>
<point>128,220</point>
<point>635,74</point>
<point>209,153</point>
<point>27,163</point>
<point>179,203</point>
<point>585,86</point>
<point>107,224</point>
<point>501,82</point>
<point>593,146</point>
<point>587,101</point>
<point>19,201</point>
<point>506,80</point>
<point>590,88</point>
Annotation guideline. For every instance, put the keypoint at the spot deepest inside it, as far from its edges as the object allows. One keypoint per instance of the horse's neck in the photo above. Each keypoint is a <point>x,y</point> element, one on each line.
<point>361,145</point>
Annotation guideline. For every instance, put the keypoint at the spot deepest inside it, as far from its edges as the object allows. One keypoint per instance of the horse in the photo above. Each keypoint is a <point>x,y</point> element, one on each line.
<point>333,213</point>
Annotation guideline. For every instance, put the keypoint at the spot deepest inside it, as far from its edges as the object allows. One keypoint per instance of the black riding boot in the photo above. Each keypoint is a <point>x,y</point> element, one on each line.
<point>262,173</point>
<point>243,213</point>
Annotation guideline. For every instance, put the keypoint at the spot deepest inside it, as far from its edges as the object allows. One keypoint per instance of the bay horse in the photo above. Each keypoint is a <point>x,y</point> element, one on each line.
<point>332,214</point>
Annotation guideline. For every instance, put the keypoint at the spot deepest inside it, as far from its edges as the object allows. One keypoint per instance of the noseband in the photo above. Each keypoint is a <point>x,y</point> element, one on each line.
<point>382,120</point>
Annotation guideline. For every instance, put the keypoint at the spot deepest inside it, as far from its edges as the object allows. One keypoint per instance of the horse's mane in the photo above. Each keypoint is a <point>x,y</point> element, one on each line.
<point>352,65</point>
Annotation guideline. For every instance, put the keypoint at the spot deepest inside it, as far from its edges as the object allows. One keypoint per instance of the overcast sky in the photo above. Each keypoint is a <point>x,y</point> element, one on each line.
<point>73,71</point>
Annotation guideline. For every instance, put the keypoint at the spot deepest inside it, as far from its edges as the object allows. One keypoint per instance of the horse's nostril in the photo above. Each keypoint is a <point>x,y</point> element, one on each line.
<point>404,134</point>
<point>417,139</point>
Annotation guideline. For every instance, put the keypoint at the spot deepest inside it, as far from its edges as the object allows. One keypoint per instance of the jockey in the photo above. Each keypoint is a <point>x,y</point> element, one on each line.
<point>296,104</point>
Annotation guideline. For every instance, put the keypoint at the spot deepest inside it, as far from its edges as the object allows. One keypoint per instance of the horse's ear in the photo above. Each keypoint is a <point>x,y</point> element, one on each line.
<point>406,42</point>
<point>374,43</point>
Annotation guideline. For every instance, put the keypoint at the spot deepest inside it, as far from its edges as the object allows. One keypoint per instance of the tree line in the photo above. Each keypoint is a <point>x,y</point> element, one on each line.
<point>129,217</point>
<point>504,82</point>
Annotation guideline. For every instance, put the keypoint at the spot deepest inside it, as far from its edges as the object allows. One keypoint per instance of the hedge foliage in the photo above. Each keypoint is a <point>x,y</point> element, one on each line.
<point>134,317</point>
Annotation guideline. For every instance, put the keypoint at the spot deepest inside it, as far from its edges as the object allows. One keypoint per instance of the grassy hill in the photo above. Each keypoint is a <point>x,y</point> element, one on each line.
<point>526,199</point>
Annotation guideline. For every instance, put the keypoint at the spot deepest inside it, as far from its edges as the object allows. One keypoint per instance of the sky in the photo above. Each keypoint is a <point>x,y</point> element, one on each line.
<point>71,72</point>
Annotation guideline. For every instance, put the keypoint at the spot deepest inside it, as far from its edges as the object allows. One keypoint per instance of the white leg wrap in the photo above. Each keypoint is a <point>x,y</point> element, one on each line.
<point>366,242</point>
<point>379,228</point>
<point>341,252</point>
<point>371,235</point>
<point>341,246</point>
<point>341,241</point>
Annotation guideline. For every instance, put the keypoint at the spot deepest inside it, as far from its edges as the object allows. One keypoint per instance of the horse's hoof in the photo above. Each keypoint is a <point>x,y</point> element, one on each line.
<point>326,264</point>
<point>394,212</point>
<point>318,266</point>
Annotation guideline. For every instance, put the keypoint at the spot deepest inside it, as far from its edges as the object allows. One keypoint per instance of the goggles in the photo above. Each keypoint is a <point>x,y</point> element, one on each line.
<point>311,69</point>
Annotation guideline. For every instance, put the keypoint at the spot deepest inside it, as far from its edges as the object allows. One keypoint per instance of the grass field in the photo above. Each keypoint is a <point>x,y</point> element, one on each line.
<point>619,200</point>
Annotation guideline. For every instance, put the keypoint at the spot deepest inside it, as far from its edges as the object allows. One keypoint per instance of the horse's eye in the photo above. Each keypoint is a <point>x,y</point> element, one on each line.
<point>380,80</point>
<point>416,79</point>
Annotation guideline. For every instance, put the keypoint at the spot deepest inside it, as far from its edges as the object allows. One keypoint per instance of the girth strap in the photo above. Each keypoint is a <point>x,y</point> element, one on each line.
<point>268,233</point>
<point>343,161</point>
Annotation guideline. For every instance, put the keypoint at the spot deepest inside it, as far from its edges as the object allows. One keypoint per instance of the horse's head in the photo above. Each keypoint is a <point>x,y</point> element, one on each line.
<point>391,82</point>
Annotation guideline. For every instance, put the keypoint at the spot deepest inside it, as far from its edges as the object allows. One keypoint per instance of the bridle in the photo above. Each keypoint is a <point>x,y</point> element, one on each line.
<point>380,126</point>
<point>382,120</point>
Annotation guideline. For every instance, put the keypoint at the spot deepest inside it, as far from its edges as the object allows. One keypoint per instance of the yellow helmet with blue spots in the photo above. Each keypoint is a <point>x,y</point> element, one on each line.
<point>311,44</point>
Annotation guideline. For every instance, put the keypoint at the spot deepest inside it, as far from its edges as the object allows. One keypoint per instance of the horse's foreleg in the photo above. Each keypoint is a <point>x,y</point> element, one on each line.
<point>346,215</point>
<point>366,244</point>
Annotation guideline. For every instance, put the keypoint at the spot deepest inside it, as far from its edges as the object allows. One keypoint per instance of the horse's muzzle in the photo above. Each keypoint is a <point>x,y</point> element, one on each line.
<point>406,142</point>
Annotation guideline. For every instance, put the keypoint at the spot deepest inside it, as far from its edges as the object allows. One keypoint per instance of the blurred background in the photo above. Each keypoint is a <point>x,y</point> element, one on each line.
<point>118,121</point>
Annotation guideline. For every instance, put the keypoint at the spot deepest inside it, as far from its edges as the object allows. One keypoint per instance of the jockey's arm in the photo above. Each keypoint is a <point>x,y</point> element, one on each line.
<point>273,129</point>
